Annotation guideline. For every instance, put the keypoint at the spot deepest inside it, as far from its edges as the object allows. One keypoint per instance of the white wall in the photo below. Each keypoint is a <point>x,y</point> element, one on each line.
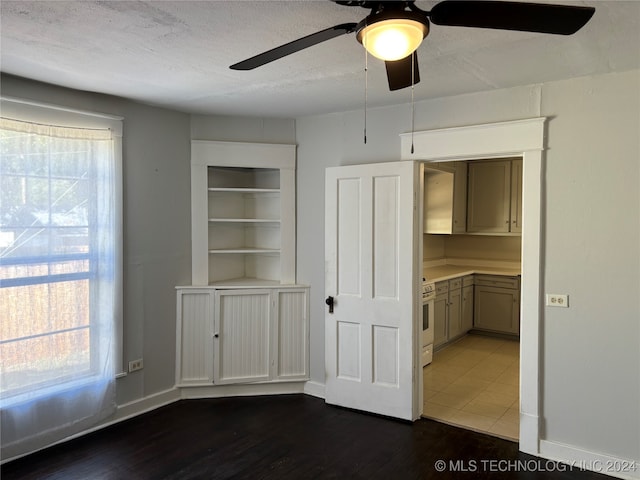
<point>590,352</point>
<point>591,389</point>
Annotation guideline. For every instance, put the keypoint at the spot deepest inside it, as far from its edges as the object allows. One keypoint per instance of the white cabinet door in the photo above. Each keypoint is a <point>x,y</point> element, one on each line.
<point>242,336</point>
<point>194,337</point>
<point>371,257</point>
<point>292,339</point>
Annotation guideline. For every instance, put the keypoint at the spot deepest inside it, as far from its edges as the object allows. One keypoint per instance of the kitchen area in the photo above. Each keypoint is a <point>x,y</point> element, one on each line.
<point>471,294</point>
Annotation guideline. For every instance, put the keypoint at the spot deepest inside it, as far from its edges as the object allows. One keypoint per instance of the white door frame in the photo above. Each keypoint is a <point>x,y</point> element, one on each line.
<point>523,138</point>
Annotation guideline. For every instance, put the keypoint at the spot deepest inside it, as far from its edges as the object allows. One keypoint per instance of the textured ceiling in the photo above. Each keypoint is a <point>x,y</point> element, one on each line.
<point>177,53</point>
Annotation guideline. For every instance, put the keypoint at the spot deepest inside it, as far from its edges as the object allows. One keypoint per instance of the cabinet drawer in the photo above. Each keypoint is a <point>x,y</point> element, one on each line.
<point>442,287</point>
<point>467,280</point>
<point>455,284</point>
<point>501,281</point>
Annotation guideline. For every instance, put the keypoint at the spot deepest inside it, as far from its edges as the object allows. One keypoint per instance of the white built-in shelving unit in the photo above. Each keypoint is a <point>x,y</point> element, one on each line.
<point>243,319</point>
<point>243,206</point>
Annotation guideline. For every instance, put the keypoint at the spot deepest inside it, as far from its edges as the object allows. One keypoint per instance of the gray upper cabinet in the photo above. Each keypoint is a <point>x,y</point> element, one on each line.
<point>445,198</point>
<point>494,201</point>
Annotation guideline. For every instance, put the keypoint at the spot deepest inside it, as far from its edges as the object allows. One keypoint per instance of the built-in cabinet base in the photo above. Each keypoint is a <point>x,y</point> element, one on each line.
<point>233,335</point>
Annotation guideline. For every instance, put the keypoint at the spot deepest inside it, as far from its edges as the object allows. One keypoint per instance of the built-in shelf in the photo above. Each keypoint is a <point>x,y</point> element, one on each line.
<point>245,282</point>
<point>244,220</point>
<point>245,250</point>
<point>243,213</point>
<point>244,190</point>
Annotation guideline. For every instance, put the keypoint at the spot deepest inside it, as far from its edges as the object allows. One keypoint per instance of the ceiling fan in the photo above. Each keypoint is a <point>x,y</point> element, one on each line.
<point>394,29</point>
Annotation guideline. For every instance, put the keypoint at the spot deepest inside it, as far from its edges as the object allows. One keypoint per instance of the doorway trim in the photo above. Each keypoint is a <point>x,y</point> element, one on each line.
<point>523,138</point>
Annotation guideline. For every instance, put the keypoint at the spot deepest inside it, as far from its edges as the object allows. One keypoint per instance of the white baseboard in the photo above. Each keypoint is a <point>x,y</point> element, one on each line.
<point>592,461</point>
<point>144,405</point>
<point>314,389</point>
<point>242,390</point>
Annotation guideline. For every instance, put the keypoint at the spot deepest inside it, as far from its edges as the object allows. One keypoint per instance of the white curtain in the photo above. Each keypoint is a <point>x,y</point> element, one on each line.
<point>60,282</point>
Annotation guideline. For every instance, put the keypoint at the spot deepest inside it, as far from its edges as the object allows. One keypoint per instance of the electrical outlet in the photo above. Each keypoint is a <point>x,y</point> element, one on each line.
<point>557,300</point>
<point>135,365</point>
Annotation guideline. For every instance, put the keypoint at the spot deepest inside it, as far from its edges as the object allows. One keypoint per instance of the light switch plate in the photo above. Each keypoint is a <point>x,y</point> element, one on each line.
<point>557,300</point>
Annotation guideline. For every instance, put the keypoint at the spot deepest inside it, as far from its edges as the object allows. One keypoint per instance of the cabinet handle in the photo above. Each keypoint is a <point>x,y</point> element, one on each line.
<point>215,335</point>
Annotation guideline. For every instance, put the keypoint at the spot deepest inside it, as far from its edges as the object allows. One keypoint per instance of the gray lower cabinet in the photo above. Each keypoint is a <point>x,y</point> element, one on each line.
<point>497,304</point>
<point>467,308</point>
<point>440,330</point>
<point>455,309</point>
<point>448,312</point>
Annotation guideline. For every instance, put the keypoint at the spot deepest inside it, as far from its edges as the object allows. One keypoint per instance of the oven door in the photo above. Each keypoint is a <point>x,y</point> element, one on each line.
<point>427,331</point>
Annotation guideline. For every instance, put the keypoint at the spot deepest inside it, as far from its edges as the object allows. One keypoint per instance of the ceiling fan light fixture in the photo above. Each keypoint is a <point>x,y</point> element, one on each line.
<point>393,39</point>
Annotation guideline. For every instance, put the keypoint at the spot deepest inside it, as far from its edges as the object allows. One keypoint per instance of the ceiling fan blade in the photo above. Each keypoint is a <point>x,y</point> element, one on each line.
<point>399,72</point>
<point>295,46</point>
<point>526,17</point>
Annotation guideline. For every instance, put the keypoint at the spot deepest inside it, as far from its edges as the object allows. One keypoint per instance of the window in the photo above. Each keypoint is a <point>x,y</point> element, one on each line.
<point>60,265</point>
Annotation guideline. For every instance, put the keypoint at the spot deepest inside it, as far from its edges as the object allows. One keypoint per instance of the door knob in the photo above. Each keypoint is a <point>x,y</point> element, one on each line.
<point>329,301</point>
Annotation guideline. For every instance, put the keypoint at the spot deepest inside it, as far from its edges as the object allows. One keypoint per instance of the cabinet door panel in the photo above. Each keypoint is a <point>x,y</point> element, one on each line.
<point>293,334</point>
<point>455,313</point>
<point>489,197</point>
<point>194,337</point>
<point>467,308</point>
<point>497,310</point>
<point>242,336</point>
<point>440,319</point>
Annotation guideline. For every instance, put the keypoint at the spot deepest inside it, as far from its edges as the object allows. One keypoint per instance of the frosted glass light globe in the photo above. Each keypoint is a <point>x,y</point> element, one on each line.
<point>392,39</point>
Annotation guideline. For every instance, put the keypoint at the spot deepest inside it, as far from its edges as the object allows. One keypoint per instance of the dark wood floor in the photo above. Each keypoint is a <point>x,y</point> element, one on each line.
<point>279,437</point>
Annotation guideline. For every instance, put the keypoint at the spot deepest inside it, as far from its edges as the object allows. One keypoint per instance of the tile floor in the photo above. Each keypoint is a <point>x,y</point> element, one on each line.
<point>474,383</point>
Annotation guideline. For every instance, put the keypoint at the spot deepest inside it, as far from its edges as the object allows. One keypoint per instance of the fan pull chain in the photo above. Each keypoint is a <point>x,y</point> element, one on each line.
<point>413,105</point>
<point>366,87</point>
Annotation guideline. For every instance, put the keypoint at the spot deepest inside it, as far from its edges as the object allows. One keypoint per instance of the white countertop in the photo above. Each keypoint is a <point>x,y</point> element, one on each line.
<point>439,273</point>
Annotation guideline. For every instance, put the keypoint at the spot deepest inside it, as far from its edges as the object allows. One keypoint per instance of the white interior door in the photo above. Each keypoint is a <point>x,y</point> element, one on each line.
<point>371,254</point>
